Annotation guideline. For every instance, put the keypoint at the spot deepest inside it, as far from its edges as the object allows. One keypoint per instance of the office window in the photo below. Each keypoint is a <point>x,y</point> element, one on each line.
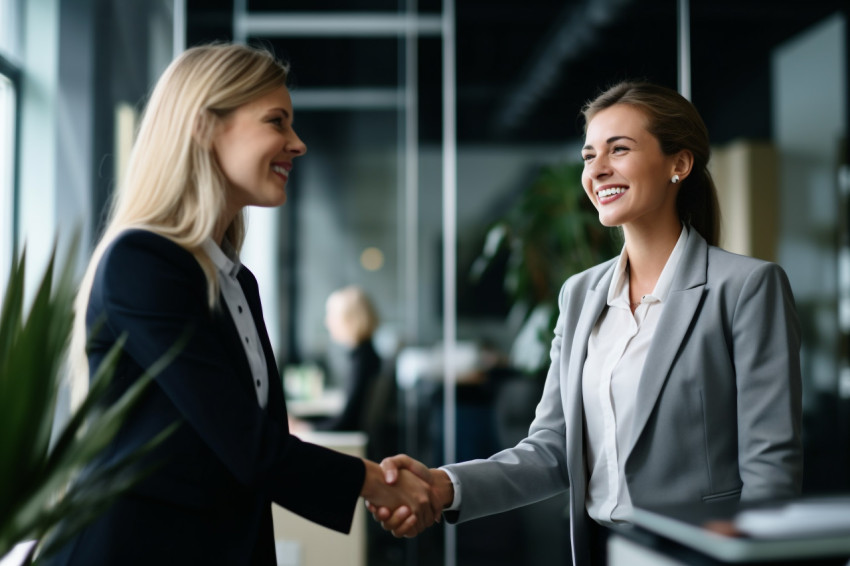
<point>8,27</point>
<point>7,136</point>
<point>9,50</point>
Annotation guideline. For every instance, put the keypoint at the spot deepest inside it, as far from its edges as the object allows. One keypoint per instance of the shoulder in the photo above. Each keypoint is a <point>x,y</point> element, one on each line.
<point>139,259</point>
<point>743,281</point>
<point>588,279</point>
<point>139,243</point>
<point>726,265</point>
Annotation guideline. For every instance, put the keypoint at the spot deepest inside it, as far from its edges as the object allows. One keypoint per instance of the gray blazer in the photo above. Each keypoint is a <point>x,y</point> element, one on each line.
<point>719,404</point>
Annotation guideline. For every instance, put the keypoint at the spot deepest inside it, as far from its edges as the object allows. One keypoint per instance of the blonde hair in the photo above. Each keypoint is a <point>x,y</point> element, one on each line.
<point>353,312</point>
<point>174,185</point>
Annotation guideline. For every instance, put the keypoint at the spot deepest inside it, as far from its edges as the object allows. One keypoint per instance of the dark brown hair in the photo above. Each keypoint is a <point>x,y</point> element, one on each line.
<point>677,125</point>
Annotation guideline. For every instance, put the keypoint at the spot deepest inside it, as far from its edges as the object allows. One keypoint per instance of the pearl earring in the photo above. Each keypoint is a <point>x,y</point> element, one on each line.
<point>675,179</point>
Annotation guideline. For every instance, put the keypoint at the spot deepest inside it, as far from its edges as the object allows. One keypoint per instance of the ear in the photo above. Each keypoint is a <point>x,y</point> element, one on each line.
<point>683,163</point>
<point>204,128</point>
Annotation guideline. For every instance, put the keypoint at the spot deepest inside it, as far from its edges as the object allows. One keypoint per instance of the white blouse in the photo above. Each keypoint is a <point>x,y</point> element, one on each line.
<point>616,352</point>
<point>228,266</point>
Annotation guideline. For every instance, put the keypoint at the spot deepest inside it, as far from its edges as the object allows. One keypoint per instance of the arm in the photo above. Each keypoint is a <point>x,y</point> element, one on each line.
<point>531,471</point>
<point>154,290</point>
<point>766,345</point>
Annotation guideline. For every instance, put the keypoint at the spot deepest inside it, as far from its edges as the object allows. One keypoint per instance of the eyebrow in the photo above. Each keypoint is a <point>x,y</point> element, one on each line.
<point>611,140</point>
<point>280,109</point>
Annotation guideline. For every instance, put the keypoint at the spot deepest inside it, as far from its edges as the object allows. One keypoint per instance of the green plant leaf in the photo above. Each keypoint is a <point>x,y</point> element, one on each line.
<point>551,233</point>
<point>37,498</point>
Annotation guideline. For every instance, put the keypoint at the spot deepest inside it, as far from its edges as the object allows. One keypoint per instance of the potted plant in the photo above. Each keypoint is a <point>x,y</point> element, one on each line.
<point>39,497</point>
<point>552,232</point>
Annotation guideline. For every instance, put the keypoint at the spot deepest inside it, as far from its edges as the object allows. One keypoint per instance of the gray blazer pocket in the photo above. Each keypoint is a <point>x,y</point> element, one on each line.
<point>723,495</point>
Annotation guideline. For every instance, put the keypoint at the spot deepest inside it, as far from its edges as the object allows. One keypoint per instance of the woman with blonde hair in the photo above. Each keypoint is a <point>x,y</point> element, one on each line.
<point>351,321</point>
<point>216,136</point>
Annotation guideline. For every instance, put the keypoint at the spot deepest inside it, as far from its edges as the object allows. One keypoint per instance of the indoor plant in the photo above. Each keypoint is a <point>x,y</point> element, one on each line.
<point>41,498</point>
<point>550,233</point>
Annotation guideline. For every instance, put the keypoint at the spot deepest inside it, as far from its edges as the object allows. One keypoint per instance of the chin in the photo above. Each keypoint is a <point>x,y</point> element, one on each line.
<point>608,221</point>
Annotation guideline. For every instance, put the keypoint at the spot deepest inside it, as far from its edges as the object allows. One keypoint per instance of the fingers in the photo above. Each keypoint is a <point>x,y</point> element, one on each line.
<point>392,465</point>
<point>404,502</point>
<point>418,498</point>
<point>380,514</point>
<point>399,523</point>
<point>409,529</point>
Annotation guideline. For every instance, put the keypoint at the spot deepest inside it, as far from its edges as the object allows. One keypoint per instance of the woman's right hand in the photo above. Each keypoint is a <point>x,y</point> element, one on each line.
<point>441,491</point>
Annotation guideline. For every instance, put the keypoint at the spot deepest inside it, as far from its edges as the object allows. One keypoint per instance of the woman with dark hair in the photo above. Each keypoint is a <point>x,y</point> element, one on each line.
<point>675,370</point>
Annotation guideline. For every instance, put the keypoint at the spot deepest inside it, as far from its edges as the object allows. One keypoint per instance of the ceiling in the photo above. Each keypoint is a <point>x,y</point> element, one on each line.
<point>524,68</point>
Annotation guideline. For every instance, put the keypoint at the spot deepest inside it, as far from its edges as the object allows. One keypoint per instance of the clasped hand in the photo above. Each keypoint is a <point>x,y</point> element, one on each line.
<point>423,492</point>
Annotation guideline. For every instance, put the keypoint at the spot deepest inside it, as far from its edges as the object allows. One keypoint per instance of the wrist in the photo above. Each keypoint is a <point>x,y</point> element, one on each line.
<point>373,477</point>
<point>442,488</point>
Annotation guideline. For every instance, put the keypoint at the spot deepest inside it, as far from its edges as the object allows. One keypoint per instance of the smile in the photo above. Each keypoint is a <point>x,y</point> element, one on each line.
<point>610,192</point>
<point>281,170</point>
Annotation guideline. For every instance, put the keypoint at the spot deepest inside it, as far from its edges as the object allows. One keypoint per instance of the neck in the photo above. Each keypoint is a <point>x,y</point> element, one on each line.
<point>221,229</point>
<point>648,252</point>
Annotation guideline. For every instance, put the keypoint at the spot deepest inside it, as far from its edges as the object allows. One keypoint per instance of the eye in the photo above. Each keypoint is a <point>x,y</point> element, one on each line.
<point>619,149</point>
<point>587,157</point>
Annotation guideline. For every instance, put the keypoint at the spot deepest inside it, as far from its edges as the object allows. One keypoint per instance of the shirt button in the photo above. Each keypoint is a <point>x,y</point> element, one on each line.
<point>240,308</point>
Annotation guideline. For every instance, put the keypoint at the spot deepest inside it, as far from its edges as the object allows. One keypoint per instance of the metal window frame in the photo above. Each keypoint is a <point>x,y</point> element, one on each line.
<point>14,73</point>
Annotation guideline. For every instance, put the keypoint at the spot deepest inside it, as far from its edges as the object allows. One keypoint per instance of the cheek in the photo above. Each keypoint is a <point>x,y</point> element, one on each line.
<point>587,185</point>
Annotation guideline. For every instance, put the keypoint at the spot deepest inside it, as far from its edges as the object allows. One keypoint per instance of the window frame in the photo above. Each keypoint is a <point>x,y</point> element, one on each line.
<point>13,74</point>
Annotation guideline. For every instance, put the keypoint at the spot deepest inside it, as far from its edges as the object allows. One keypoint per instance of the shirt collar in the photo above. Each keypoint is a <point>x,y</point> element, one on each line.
<point>618,289</point>
<point>224,257</point>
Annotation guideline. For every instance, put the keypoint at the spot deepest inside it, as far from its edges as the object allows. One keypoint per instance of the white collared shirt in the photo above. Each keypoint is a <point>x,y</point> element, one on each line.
<point>616,353</point>
<point>228,266</point>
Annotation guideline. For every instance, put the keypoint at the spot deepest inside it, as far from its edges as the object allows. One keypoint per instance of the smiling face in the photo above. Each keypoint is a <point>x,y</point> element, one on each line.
<point>255,145</point>
<point>626,175</point>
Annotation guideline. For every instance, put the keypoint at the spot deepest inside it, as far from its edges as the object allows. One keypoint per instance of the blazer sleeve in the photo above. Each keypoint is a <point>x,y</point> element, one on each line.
<point>766,347</point>
<point>154,290</point>
<point>536,467</point>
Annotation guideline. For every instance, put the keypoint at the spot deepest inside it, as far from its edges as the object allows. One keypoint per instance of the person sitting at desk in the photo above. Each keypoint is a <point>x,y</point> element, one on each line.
<point>351,321</point>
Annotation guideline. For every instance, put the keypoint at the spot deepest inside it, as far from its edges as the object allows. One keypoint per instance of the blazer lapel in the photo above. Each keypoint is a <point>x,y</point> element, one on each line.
<point>594,301</point>
<point>682,302</point>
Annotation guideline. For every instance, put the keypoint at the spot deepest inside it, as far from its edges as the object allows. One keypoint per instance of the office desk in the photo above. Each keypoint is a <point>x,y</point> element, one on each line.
<point>302,543</point>
<point>692,535</point>
<point>330,403</point>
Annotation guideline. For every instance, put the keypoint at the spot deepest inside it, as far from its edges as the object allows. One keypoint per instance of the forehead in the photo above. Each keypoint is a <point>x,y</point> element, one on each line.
<point>277,98</point>
<point>617,120</point>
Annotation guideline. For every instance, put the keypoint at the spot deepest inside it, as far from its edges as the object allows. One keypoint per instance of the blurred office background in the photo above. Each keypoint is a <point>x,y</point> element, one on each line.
<point>427,122</point>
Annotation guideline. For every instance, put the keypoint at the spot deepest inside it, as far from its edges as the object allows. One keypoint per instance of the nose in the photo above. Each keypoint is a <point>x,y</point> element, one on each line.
<point>598,167</point>
<point>295,146</point>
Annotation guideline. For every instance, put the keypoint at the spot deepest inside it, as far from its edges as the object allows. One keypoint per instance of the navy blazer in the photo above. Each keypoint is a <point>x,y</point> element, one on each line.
<point>209,499</point>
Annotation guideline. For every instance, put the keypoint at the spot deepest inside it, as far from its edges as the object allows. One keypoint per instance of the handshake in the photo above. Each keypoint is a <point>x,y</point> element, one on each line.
<point>404,495</point>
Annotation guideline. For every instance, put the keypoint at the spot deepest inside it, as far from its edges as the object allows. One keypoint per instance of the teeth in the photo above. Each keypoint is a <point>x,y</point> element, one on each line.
<point>281,170</point>
<point>605,193</point>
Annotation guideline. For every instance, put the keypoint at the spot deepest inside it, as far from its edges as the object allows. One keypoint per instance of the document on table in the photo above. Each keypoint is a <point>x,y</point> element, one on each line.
<point>733,532</point>
<point>811,517</point>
